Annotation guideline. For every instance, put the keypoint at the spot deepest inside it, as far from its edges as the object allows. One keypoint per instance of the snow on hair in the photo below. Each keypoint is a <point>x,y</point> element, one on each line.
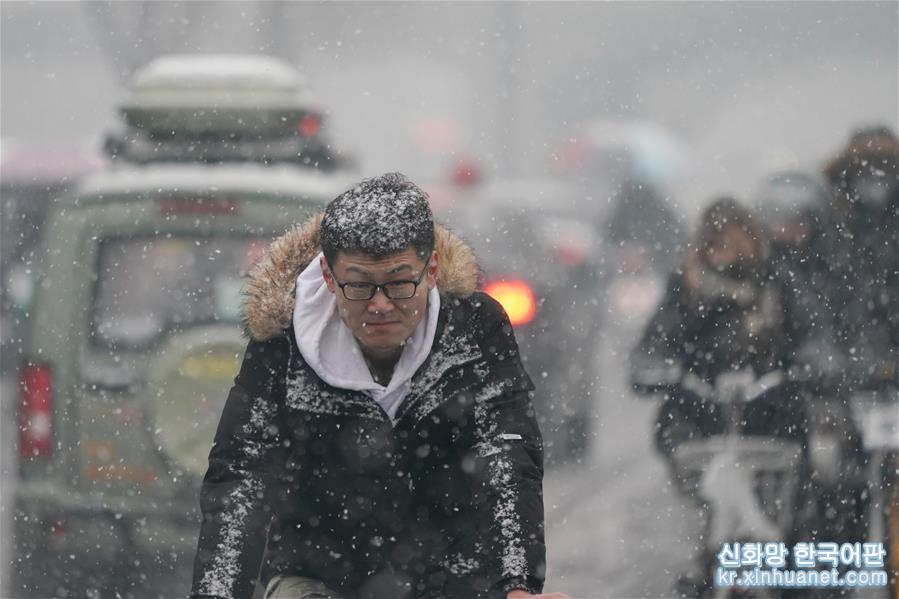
<point>378,217</point>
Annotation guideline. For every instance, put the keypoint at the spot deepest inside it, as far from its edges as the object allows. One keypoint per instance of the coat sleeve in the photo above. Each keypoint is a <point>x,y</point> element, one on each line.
<point>235,498</point>
<point>810,332</point>
<point>508,443</point>
<point>657,358</point>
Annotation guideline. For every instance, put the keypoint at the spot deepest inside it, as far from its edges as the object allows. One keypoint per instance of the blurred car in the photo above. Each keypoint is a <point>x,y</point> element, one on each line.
<point>132,345</point>
<point>541,260</point>
<point>32,176</point>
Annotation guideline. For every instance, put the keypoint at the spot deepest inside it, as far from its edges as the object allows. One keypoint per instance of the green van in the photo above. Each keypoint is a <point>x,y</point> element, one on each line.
<point>132,345</point>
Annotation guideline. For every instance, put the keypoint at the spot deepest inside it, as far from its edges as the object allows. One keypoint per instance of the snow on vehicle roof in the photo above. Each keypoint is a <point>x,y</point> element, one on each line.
<point>217,80</point>
<point>281,180</point>
<point>217,70</point>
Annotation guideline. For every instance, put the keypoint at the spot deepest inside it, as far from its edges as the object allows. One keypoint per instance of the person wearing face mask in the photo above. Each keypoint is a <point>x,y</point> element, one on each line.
<point>864,252</point>
<point>860,291</point>
<point>723,311</point>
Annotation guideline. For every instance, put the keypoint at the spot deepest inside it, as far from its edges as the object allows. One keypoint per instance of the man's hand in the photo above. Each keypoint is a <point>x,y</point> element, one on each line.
<point>519,594</point>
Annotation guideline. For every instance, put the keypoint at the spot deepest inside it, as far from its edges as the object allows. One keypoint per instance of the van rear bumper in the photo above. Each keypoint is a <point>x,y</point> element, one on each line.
<point>84,545</point>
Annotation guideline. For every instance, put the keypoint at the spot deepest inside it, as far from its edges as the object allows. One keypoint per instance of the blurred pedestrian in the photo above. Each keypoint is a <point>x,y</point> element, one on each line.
<point>643,221</point>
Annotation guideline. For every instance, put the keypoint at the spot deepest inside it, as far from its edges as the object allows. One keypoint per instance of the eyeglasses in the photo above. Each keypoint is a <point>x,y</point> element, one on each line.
<point>395,290</point>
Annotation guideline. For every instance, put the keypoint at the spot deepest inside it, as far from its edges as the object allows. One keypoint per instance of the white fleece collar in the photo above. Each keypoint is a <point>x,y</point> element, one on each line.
<point>329,348</point>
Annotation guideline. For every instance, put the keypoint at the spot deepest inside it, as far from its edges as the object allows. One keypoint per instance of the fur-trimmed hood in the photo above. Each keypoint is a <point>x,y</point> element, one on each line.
<point>269,298</point>
<point>880,151</point>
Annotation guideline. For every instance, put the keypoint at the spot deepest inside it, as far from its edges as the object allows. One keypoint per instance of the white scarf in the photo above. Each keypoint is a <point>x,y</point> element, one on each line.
<point>330,349</point>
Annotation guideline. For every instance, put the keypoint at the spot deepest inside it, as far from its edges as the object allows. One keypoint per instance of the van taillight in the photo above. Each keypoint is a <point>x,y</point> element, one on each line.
<point>571,254</point>
<point>309,126</point>
<point>35,411</point>
<point>516,297</point>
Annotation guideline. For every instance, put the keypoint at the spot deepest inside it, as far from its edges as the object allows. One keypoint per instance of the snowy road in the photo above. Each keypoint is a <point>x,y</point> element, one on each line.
<point>614,527</point>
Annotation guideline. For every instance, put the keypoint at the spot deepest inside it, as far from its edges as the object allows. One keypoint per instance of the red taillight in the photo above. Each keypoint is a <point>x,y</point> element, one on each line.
<point>516,297</point>
<point>58,529</point>
<point>309,126</point>
<point>35,411</point>
<point>467,173</point>
<point>189,205</point>
<point>571,254</point>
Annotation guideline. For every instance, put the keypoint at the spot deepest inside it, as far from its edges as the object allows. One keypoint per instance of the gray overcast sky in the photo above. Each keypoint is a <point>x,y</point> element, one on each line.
<point>747,85</point>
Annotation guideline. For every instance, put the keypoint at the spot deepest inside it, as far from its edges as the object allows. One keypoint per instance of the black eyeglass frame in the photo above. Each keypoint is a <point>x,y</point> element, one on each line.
<point>383,287</point>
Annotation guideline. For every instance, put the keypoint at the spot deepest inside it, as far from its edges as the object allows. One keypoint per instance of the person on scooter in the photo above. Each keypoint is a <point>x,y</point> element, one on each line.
<point>723,311</point>
<point>862,290</point>
<point>865,256</point>
<point>796,208</point>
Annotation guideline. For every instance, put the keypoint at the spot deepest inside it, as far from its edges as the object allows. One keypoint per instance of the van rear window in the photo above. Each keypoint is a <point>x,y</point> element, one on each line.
<point>147,286</point>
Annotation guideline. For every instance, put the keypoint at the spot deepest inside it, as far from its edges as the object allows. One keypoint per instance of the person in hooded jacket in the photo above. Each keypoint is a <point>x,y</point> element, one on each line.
<point>724,310</point>
<point>796,208</point>
<point>792,204</point>
<point>862,294</point>
<point>864,251</point>
<point>643,220</point>
<point>380,439</point>
<point>793,208</point>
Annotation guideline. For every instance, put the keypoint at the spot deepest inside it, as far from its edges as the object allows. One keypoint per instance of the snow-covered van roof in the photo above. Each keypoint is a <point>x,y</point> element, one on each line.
<point>252,178</point>
<point>240,94</point>
<point>217,80</point>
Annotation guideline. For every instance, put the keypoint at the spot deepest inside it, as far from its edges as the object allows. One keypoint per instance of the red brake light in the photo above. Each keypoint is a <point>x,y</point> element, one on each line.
<point>309,126</point>
<point>35,411</point>
<point>570,254</point>
<point>517,299</point>
<point>467,173</point>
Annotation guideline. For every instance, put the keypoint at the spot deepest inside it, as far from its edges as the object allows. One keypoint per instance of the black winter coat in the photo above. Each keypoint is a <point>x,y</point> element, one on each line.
<point>776,331</point>
<point>445,502</point>
<point>707,339</point>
